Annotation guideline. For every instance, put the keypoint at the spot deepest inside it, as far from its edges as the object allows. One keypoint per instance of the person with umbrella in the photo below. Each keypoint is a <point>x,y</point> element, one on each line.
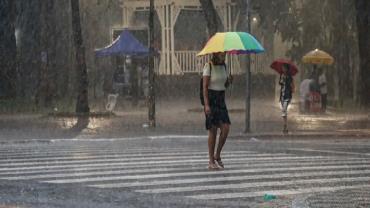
<point>318,57</point>
<point>215,80</point>
<point>287,70</point>
<point>286,91</point>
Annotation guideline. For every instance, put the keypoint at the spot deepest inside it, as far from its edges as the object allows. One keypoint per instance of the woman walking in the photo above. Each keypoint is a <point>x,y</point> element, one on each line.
<point>286,91</point>
<point>215,81</point>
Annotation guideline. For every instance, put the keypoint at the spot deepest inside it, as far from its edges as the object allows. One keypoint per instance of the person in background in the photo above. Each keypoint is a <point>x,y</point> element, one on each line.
<point>286,92</point>
<point>304,92</point>
<point>323,90</point>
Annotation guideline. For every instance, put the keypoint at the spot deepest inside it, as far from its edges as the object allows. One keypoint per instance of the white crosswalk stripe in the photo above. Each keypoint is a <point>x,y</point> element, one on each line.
<point>112,172</point>
<point>178,171</point>
<point>225,179</point>
<point>158,168</point>
<point>106,155</point>
<point>10,163</point>
<point>198,173</point>
<point>127,162</point>
<point>256,184</point>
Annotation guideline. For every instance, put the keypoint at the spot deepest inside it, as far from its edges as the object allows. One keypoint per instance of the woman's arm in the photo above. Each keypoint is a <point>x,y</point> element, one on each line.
<point>205,94</point>
<point>281,82</point>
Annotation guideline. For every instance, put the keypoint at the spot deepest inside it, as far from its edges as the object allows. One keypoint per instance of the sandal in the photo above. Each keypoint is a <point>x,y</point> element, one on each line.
<point>213,166</point>
<point>219,163</point>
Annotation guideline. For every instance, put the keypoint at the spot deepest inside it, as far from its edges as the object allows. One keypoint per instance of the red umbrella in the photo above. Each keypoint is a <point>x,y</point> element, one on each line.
<point>277,65</point>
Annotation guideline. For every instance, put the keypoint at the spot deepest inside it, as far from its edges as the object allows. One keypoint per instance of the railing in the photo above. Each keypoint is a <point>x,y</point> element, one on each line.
<point>261,64</point>
<point>190,63</point>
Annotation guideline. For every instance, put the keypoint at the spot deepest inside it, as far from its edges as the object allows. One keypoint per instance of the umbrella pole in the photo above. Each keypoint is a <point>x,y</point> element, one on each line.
<point>248,79</point>
<point>151,100</point>
<point>231,83</point>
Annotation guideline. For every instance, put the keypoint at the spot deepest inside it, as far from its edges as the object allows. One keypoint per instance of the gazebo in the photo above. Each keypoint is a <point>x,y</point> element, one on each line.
<point>180,61</point>
<point>174,61</point>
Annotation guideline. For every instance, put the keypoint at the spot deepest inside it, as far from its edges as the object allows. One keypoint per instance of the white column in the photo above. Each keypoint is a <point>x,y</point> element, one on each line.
<point>236,20</point>
<point>128,13</point>
<point>167,37</point>
<point>163,63</point>
<point>222,13</point>
<point>175,12</point>
<point>229,20</point>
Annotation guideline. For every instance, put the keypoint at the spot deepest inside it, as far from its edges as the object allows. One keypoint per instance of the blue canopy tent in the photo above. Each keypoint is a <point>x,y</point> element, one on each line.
<point>126,45</point>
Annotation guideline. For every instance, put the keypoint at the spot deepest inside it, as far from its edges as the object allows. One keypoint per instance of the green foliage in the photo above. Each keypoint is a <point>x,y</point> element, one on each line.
<point>11,106</point>
<point>310,24</point>
<point>274,15</point>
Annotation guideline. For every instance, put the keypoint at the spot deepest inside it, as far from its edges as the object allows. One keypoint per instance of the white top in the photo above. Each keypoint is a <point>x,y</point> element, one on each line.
<point>304,89</point>
<point>218,76</point>
<point>324,88</point>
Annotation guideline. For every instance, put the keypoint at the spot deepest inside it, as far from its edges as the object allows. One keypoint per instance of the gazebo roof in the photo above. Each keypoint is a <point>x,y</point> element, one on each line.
<point>187,4</point>
<point>126,44</point>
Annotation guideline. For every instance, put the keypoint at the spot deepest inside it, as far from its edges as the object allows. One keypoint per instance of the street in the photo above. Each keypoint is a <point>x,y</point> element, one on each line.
<point>171,171</point>
<point>110,104</point>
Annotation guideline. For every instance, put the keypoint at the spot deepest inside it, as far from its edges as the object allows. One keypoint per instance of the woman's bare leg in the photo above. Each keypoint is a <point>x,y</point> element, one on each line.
<point>285,115</point>
<point>212,133</point>
<point>225,128</point>
<point>285,129</point>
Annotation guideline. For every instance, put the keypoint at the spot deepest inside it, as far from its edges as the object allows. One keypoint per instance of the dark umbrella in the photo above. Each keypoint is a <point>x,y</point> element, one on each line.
<point>278,64</point>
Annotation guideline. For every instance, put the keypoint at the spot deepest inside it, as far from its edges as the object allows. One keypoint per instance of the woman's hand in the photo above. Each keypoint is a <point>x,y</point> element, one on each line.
<point>281,80</point>
<point>230,79</point>
<point>207,109</point>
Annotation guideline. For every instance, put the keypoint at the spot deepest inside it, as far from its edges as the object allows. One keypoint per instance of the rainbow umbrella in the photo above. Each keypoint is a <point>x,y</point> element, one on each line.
<point>232,43</point>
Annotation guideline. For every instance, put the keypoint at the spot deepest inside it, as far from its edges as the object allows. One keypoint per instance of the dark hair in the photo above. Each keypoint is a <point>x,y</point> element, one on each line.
<point>215,60</point>
<point>288,71</point>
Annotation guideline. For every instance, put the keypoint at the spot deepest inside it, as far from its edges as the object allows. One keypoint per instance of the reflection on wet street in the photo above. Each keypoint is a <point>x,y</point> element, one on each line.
<point>178,117</point>
<point>183,117</point>
<point>82,122</point>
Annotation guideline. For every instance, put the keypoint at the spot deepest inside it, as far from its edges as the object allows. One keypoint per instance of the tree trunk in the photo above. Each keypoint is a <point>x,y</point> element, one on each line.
<point>28,48</point>
<point>242,24</point>
<point>46,91</point>
<point>82,105</point>
<point>363,27</point>
<point>8,49</point>
<point>211,16</point>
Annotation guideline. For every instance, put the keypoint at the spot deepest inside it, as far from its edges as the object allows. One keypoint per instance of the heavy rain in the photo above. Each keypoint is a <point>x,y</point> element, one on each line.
<point>184,103</point>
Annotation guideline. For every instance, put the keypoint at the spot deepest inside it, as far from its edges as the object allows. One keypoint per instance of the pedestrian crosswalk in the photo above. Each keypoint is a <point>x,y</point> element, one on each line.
<point>183,172</point>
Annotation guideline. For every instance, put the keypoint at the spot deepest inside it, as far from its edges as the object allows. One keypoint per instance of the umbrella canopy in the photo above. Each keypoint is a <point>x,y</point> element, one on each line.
<point>277,65</point>
<point>232,43</point>
<point>318,57</point>
<point>126,44</point>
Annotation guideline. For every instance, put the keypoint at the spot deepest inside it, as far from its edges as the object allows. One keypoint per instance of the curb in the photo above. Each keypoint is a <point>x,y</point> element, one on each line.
<point>303,135</point>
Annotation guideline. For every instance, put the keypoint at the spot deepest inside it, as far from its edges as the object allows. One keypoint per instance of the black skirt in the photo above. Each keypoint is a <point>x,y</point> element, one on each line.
<point>219,114</point>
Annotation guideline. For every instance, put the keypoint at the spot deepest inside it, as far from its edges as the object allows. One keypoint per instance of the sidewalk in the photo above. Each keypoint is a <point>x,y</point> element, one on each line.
<point>185,117</point>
